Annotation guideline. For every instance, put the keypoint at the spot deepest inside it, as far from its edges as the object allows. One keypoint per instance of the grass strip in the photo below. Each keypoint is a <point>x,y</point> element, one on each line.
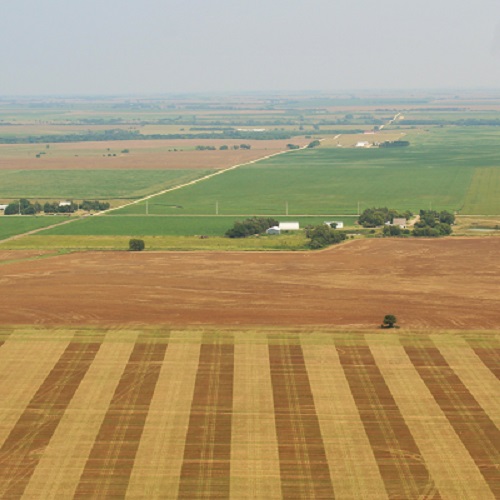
<point>255,466</point>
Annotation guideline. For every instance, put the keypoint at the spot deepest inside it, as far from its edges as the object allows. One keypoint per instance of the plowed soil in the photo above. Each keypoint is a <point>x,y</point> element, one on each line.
<point>447,283</point>
<point>152,155</point>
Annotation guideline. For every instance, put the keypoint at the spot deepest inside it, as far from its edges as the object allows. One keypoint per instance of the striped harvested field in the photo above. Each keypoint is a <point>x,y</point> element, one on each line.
<point>154,412</point>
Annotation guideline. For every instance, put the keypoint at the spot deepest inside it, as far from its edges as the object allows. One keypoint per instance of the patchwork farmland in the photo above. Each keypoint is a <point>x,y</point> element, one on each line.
<point>211,374</point>
<point>166,413</point>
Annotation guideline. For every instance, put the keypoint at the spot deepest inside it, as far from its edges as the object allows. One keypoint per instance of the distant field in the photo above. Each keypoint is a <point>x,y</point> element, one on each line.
<point>11,225</point>
<point>90,184</point>
<point>324,181</point>
<point>435,171</point>
<point>176,154</point>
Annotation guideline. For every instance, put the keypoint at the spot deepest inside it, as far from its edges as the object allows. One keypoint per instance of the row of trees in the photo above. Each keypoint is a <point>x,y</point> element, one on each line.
<point>26,207</point>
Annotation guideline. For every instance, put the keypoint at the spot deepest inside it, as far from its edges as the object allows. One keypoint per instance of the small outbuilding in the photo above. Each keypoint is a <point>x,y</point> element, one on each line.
<point>273,230</point>
<point>65,203</point>
<point>3,207</point>
<point>289,226</point>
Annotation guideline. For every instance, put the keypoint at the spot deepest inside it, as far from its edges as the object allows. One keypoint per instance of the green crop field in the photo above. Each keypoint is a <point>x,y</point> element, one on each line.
<point>165,226</point>
<point>12,225</point>
<point>436,171</point>
<point>90,184</point>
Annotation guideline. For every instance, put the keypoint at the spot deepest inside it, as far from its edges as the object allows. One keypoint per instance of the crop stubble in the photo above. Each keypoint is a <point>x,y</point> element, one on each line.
<point>413,444</point>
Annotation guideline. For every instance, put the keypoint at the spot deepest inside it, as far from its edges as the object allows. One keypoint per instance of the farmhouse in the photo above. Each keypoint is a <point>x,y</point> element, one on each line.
<point>3,207</point>
<point>338,224</point>
<point>289,226</point>
<point>65,203</point>
<point>362,144</point>
<point>399,221</point>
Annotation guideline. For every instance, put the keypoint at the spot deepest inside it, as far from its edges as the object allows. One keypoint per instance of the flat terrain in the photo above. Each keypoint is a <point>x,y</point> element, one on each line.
<point>192,414</point>
<point>446,283</point>
<point>109,185</point>
<point>146,154</point>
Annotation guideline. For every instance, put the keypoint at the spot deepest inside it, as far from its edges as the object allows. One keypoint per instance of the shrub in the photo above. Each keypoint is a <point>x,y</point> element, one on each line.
<point>135,245</point>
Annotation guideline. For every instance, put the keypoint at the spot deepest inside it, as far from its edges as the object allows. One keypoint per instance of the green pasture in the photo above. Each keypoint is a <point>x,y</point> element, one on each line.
<point>90,184</point>
<point>168,225</point>
<point>11,225</point>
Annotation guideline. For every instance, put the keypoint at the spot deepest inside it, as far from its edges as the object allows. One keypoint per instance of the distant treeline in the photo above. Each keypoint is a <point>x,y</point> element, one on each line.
<point>469,122</point>
<point>134,135</point>
<point>394,144</point>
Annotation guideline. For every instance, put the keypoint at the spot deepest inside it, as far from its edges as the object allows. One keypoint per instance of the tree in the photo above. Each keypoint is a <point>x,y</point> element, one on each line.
<point>314,144</point>
<point>389,321</point>
<point>323,235</point>
<point>135,245</point>
<point>249,227</point>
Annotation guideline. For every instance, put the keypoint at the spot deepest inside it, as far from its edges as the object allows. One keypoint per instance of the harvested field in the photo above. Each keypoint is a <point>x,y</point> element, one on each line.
<point>146,155</point>
<point>165,413</point>
<point>17,255</point>
<point>445,283</point>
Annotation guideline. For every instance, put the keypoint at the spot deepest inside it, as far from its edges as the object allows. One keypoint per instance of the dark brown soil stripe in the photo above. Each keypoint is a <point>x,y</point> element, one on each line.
<point>28,439</point>
<point>207,453</point>
<point>303,463</point>
<point>491,358</point>
<point>109,465</point>
<point>396,452</point>
<point>471,423</point>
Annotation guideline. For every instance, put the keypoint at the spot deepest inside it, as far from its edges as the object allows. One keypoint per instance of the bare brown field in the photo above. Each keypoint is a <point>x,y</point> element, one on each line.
<point>445,283</point>
<point>152,155</point>
<point>165,413</point>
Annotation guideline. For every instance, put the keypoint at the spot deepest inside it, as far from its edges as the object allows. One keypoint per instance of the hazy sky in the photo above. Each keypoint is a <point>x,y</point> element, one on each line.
<point>157,46</point>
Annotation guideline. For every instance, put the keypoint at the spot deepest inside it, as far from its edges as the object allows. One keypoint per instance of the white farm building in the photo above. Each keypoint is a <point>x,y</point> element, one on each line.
<point>289,226</point>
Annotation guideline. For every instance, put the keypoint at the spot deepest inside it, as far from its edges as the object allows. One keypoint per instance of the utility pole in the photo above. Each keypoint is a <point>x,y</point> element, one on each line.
<point>286,208</point>
<point>358,207</point>
<point>147,207</point>
<point>216,208</point>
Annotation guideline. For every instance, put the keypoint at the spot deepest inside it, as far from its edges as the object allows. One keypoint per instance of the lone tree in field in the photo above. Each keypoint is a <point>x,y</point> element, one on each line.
<point>389,321</point>
<point>136,245</point>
